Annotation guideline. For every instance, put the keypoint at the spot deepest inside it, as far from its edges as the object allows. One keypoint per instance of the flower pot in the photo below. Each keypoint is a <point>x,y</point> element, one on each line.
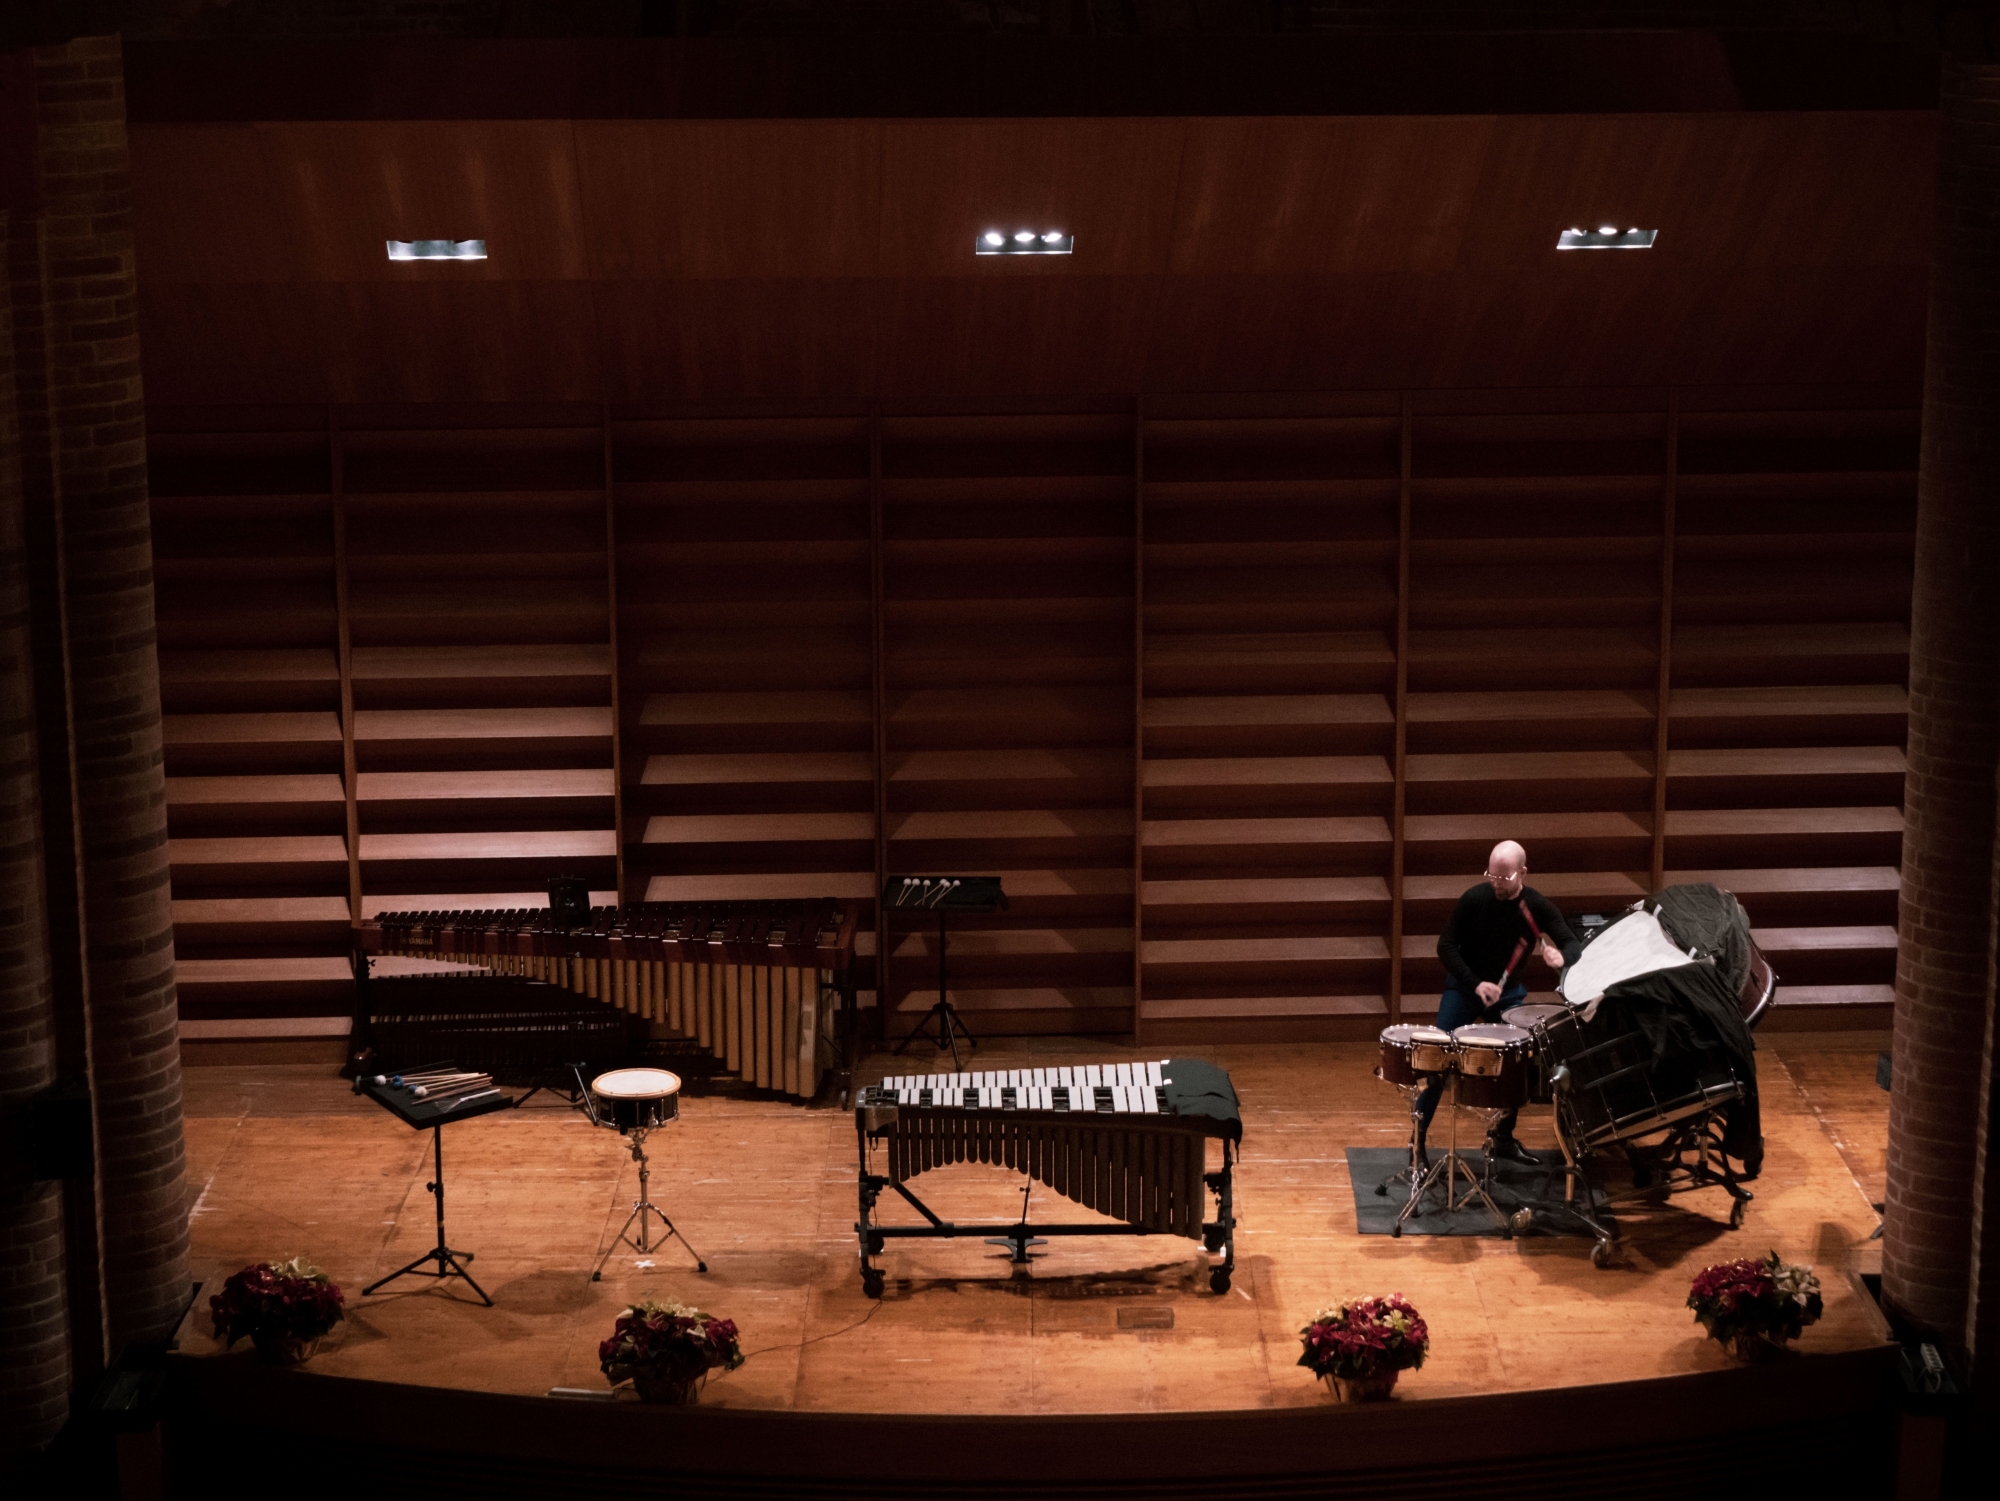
<point>1756,1349</point>
<point>675,1391</point>
<point>1363,1388</point>
<point>285,1349</point>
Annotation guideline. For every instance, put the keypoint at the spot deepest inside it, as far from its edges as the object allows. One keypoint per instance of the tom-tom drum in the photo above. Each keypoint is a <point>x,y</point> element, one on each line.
<point>637,1099</point>
<point>1492,1065</point>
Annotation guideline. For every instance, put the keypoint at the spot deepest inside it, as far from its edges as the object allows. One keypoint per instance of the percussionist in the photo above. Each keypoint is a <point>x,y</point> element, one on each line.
<point>1485,947</point>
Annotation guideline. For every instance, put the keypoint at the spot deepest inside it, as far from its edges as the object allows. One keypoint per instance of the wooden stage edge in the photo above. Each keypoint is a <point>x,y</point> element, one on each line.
<point>1822,1420</point>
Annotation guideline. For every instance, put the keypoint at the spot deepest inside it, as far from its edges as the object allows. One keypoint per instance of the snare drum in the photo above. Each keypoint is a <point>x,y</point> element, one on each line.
<point>1411,1054</point>
<point>1492,1065</point>
<point>637,1098</point>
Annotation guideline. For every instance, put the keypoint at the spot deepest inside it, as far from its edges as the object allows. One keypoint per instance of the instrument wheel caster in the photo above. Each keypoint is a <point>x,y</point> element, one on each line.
<point>871,1282</point>
<point>1600,1254</point>
<point>1218,1280</point>
<point>1522,1221</point>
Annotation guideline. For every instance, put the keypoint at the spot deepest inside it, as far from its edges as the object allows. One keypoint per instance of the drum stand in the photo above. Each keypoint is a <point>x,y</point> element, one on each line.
<point>1449,1169</point>
<point>645,1245</point>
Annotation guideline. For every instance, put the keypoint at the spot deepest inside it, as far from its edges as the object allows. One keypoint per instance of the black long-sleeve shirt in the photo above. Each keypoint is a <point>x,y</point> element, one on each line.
<point>1479,940</point>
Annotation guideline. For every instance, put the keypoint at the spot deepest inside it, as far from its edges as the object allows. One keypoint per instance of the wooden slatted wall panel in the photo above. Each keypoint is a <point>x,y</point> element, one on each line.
<point>243,561</point>
<point>1263,852</point>
<point>746,668</point>
<point>1271,543</point>
<point>1534,654</point>
<point>478,603</point>
<point>1008,732</point>
<point>1791,659</point>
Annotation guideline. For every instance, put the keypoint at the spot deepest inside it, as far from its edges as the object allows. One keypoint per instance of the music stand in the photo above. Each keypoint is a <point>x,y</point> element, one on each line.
<point>944,894</point>
<point>401,1102</point>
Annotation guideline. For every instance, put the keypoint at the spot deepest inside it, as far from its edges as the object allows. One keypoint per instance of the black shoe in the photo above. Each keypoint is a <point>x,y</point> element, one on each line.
<point>1507,1149</point>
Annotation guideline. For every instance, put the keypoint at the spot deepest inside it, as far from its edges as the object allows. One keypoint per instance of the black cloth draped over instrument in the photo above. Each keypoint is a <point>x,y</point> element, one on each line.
<point>1706,918</point>
<point>1691,1019</point>
<point>1479,942</point>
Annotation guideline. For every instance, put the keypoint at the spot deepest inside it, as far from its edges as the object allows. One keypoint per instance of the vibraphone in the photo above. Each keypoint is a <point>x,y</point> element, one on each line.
<point>1129,1140</point>
<point>747,981</point>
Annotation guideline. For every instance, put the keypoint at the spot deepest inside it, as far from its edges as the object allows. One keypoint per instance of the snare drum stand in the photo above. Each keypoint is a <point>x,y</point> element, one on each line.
<point>642,1207</point>
<point>1448,1168</point>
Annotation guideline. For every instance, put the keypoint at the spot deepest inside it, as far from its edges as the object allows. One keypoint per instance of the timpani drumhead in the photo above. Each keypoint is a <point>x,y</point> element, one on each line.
<point>638,1098</point>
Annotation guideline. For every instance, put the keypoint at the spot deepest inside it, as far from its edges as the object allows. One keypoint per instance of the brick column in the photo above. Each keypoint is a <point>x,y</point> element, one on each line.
<point>34,1328</point>
<point>1944,968</point>
<point>96,415</point>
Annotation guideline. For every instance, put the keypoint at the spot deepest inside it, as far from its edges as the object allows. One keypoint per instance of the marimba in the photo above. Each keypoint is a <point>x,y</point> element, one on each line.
<point>1129,1140</point>
<point>751,982</point>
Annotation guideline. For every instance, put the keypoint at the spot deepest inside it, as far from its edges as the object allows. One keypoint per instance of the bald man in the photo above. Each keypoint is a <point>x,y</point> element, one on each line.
<point>1485,947</point>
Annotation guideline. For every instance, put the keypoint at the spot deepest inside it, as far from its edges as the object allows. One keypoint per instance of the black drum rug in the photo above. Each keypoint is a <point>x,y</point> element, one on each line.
<point>1515,1186</point>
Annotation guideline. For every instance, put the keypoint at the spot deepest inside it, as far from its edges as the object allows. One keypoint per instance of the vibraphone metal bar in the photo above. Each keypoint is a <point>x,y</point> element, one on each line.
<point>741,979</point>
<point>1127,1140</point>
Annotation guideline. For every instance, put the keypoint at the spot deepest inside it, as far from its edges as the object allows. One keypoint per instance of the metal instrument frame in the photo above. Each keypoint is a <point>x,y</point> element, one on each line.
<point>1218,1236</point>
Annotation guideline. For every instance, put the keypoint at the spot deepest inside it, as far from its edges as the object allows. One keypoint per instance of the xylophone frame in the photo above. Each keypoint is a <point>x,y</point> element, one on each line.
<point>1218,1236</point>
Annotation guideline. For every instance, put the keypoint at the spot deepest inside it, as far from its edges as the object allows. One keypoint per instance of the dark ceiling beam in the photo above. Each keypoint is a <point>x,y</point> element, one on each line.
<point>914,75</point>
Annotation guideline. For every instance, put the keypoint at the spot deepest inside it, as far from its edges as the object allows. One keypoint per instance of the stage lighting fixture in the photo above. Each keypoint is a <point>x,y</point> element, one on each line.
<point>437,250</point>
<point>1608,237</point>
<point>1024,242</point>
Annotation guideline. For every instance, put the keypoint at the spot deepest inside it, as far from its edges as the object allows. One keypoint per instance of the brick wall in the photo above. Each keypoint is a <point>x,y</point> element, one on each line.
<point>96,410</point>
<point>34,1339</point>
<point>1944,982</point>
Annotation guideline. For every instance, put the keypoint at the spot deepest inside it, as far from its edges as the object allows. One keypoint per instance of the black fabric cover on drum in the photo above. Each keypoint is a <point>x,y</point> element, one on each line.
<point>1702,916</point>
<point>1689,1027</point>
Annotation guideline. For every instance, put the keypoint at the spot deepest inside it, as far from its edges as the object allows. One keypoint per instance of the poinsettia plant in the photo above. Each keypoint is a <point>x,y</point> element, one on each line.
<point>669,1341</point>
<point>1772,1299</point>
<point>292,1300</point>
<point>1365,1338</point>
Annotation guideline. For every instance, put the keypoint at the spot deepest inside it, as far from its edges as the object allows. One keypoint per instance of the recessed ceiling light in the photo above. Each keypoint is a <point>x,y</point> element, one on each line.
<point>1611,238</point>
<point>1025,242</point>
<point>437,250</point>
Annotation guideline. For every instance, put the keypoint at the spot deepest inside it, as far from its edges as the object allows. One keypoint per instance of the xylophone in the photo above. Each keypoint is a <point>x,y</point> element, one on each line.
<point>1129,1140</point>
<point>748,981</point>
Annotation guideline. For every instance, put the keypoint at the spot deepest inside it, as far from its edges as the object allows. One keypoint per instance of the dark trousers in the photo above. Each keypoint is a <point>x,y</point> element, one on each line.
<point>1461,1008</point>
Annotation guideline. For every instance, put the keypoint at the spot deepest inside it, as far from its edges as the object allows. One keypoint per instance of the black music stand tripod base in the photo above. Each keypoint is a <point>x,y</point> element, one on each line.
<point>450,1263</point>
<point>642,1207</point>
<point>942,1012</point>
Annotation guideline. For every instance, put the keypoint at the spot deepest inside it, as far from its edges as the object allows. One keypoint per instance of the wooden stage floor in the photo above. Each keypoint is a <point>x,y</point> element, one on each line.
<point>286,1161</point>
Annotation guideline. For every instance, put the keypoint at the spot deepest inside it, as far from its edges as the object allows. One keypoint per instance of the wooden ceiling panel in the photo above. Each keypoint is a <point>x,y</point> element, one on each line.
<point>696,341</point>
<point>1755,189</point>
<point>202,198</point>
<point>496,341</point>
<point>204,344</point>
<point>707,199</point>
<point>347,188</point>
<point>1271,196</point>
<point>1063,337</point>
<point>684,260</point>
<point>1110,183</point>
